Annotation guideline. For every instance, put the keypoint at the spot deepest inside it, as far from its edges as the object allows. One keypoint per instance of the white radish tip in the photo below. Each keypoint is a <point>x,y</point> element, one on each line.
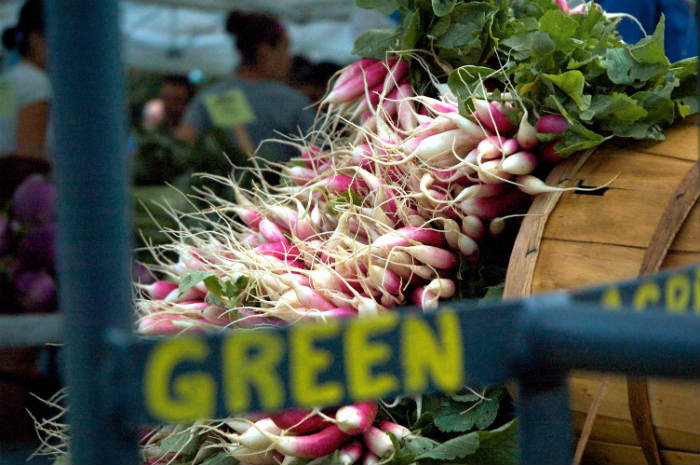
<point>497,226</point>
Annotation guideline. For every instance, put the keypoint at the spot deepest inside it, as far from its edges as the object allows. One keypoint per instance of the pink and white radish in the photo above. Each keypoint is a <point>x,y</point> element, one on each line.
<point>408,235</point>
<point>495,147</point>
<point>257,437</point>
<point>533,185</point>
<point>353,87</point>
<point>473,227</point>
<point>481,190</point>
<point>444,143</point>
<point>350,452</point>
<point>519,163</point>
<point>353,70</point>
<point>492,116</point>
<point>271,232</point>
<point>401,432</point>
<point>193,293</point>
<point>551,124</point>
<point>356,418</point>
<point>527,134</point>
<point>468,247</point>
<point>432,256</point>
<point>370,459</point>
<point>406,110</point>
<point>492,172</point>
<point>491,207</point>
<point>378,442</point>
<point>253,456</point>
<point>313,445</point>
<point>158,290</point>
<point>299,421</point>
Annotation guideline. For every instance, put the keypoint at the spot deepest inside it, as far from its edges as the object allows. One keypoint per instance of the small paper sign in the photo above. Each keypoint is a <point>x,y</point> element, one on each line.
<point>230,108</point>
<point>7,98</point>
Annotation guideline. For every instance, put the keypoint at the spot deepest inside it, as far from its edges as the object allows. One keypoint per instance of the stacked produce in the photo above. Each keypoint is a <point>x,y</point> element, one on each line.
<point>421,151</point>
<point>27,257</point>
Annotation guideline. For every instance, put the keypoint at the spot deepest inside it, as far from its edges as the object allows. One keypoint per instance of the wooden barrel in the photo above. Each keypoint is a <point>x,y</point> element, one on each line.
<point>578,239</point>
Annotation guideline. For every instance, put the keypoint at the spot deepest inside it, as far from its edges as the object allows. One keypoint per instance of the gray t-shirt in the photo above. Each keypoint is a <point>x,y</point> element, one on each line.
<point>21,85</point>
<point>266,108</point>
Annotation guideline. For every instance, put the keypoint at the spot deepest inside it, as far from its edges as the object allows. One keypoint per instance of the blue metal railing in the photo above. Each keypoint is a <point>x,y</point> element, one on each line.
<point>91,180</point>
<point>546,337</point>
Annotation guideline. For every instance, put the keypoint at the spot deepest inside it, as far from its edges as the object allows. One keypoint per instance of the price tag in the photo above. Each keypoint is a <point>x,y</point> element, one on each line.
<point>230,108</point>
<point>7,98</point>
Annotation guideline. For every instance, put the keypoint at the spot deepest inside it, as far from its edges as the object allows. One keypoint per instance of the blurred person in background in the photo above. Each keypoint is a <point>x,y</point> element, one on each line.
<point>311,78</point>
<point>25,89</point>
<point>681,28</point>
<point>256,103</point>
<point>166,111</point>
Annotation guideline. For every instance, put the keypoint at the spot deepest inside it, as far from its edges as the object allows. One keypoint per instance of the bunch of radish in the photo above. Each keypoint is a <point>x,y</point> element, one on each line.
<point>352,433</point>
<point>376,215</point>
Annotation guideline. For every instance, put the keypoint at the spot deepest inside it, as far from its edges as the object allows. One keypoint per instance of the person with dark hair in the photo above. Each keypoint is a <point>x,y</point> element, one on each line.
<point>176,91</point>
<point>312,78</point>
<point>256,103</point>
<point>25,90</point>
<point>166,111</point>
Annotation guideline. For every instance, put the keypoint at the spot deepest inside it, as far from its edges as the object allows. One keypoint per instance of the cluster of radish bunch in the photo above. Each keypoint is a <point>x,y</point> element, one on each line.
<point>352,432</point>
<point>392,191</point>
<point>368,84</point>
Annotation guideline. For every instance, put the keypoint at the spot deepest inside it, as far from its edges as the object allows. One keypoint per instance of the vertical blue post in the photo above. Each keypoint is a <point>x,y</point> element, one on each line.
<point>545,424</point>
<point>89,115</point>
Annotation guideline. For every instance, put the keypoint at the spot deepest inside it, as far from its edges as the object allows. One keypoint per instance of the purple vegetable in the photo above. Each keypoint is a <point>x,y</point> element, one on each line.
<point>549,154</point>
<point>552,124</point>
<point>33,200</point>
<point>140,274</point>
<point>5,234</point>
<point>36,291</point>
<point>37,248</point>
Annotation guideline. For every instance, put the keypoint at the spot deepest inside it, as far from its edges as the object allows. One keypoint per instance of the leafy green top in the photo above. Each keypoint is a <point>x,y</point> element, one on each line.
<point>576,65</point>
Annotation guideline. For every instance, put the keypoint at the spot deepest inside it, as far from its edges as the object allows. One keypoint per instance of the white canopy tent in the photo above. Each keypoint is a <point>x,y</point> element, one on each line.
<point>186,35</point>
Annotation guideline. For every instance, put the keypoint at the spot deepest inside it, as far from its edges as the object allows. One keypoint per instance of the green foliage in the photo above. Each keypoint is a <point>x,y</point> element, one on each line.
<point>375,43</point>
<point>475,280</point>
<point>574,65</point>
<point>497,446</point>
<point>192,278</point>
<point>221,458</point>
<point>443,7</point>
<point>463,413</point>
<point>386,7</point>
<point>455,448</point>
<point>229,291</point>
<point>186,443</point>
<point>462,445</point>
<point>349,197</point>
<point>161,161</point>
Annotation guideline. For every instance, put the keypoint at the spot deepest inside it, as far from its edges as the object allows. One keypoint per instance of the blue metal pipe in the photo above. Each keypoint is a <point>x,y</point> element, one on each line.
<point>544,419</point>
<point>586,337</point>
<point>88,113</point>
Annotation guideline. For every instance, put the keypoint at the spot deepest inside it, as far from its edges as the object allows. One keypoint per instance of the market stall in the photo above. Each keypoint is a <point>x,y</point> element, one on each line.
<point>406,196</point>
